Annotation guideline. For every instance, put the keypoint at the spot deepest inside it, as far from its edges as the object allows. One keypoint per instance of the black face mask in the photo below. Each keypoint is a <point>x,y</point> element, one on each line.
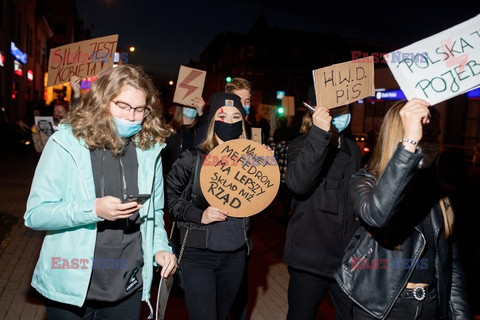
<point>228,131</point>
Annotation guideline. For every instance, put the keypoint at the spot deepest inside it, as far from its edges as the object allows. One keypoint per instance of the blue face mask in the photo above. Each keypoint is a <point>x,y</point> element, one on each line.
<point>341,122</point>
<point>246,108</point>
<point>189,112</point>
<point>127,128</point>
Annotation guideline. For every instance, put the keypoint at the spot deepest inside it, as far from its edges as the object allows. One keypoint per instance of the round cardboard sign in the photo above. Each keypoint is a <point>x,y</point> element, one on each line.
<point>240,176</point>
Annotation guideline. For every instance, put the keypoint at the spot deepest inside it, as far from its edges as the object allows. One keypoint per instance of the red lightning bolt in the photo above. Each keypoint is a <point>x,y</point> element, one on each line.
<point>189,78</point>
<point>452,60</point>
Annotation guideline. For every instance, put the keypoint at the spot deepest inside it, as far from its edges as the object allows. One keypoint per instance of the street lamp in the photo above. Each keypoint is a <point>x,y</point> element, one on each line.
<point>132,49</point>
<point>170,82</point>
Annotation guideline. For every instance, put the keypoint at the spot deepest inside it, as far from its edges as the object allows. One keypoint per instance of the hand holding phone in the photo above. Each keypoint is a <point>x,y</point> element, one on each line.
<point>139,198</point>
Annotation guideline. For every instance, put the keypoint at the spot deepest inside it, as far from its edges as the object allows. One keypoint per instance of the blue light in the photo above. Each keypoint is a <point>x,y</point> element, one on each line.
<point>474,94</point>
<point>17,53</point>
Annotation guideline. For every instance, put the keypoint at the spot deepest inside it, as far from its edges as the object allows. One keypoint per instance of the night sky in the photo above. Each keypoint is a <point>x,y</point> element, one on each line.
<point>168,33</point>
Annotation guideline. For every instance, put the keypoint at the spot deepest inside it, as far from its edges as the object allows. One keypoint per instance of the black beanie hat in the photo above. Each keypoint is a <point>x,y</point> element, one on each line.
<point>224,99</point>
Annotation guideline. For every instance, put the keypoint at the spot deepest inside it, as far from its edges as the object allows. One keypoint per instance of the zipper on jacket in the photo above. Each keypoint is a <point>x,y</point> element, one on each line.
<point>76,164</point>
<point>369,251</point>
<point>409,272</point>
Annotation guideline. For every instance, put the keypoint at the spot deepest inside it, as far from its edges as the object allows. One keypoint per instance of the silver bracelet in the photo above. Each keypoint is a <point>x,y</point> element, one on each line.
<point>415,143</point>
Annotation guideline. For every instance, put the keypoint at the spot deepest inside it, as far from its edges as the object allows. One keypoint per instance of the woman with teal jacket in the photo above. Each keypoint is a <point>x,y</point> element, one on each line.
<point>99,250</point>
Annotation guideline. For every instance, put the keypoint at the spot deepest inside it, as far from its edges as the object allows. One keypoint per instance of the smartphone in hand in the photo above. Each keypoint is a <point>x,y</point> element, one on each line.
<point>139,198</point>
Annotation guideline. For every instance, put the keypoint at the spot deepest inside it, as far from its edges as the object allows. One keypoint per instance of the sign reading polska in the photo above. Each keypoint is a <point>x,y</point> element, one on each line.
<point>240,176</point>
<point>84,59</point>
<point>344,83</point>
<point>442,66</point>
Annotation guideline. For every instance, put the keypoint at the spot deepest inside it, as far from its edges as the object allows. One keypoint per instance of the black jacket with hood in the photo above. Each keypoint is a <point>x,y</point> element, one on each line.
<point>323,221</point>
<point>186,202</point>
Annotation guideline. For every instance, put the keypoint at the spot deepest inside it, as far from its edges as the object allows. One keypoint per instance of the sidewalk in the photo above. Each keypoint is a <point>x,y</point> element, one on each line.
<point>268,276</point>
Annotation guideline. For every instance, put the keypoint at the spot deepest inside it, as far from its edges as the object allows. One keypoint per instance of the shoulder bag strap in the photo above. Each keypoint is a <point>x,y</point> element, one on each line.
<point>195,180</point>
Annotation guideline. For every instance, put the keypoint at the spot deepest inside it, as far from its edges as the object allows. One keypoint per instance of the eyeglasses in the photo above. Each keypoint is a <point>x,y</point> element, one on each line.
<point>127,108</point>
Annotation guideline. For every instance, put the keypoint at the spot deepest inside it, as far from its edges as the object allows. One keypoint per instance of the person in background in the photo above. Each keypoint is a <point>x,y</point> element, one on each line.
<point>184,127</point>
<point>99,250</point>
<point>403,262</point>
<point>40,135</point>
<point>242,88</point>
<point>280,142</point>
<point>320,164</point>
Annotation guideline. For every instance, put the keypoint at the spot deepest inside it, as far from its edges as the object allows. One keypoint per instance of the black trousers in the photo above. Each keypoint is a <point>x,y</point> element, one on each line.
<point>306,291</point>
<point>211,281</point>
<point>406,307</point>
<point>126,309</point>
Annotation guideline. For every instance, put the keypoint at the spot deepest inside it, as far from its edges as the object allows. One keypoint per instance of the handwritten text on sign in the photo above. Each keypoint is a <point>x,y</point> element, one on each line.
<point>84,59</point>
<point>240,176</point>
<point>344,83</point>
<point>442,66</point>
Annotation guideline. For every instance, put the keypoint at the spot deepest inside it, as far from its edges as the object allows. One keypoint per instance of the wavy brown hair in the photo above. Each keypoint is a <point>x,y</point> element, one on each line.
<point>92,121</point>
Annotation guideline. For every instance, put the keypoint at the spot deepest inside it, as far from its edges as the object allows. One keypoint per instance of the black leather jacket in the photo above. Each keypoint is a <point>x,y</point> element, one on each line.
<point>390,212</point>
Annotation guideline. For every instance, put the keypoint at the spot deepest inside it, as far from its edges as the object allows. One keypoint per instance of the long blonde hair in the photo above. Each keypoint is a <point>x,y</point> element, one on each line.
<point>391,133</point>
<point>92,121</point>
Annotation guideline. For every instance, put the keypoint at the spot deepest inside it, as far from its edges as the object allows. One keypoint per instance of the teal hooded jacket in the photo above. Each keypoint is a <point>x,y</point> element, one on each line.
<point>61,202</point>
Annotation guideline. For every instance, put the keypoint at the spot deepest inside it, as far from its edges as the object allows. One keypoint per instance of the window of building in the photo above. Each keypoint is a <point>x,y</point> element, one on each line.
<point>29,32</point>
<point>250,52</point>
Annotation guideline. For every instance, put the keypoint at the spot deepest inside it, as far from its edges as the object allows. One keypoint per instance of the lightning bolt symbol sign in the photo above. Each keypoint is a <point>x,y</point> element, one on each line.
<point>452,60</point>
<point>185,83</point>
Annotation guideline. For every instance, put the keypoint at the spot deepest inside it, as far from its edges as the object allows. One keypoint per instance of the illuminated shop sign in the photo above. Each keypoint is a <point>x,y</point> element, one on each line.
<point>390,95</point>
<point>17,53</point>
<point>2,59</point>
<point>17,68</point>
<point>474,94</point>
<point>30,75</point>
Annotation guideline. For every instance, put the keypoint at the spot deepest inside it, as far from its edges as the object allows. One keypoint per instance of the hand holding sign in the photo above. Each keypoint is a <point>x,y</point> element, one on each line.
<point>439,67</point>
<point>239,177</point>
<point>83,59</point>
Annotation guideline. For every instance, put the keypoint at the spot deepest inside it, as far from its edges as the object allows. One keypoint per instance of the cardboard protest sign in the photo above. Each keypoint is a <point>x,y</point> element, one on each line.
<point>190,84</point>
<point>257,135</point>
<point>265,110</point>
<point>240,176</point>
<point>84,59</point>
<point>288,103</point>
<point>45,125</point>
<point>439,67</point>
<point>344,83</point>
